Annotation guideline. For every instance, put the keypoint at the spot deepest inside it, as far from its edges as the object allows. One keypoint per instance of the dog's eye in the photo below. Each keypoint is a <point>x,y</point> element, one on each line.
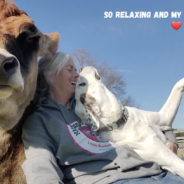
<point>97,76</point>
<point>82,84</point>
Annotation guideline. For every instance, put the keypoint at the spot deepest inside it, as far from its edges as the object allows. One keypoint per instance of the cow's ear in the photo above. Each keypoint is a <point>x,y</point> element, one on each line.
<point>49,45</point>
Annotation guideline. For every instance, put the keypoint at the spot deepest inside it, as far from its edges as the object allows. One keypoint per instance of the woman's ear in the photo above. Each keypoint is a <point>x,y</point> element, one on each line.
<point>49,78</point>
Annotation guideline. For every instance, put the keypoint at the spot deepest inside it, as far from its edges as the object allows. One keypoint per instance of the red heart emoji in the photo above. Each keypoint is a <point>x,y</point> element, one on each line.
<point>176,25</point>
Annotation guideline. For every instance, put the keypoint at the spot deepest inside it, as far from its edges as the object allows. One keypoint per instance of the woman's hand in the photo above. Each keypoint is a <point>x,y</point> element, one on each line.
<point>172,146</point>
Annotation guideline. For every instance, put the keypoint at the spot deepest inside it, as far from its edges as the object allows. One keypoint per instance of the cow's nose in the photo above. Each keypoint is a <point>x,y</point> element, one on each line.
<point>9,65</point>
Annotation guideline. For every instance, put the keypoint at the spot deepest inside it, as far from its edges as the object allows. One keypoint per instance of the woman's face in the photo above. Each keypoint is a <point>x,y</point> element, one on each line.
<point>66,79</point>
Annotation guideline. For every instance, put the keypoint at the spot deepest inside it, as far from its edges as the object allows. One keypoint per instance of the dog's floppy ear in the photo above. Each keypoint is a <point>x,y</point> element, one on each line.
<point>92,109</point>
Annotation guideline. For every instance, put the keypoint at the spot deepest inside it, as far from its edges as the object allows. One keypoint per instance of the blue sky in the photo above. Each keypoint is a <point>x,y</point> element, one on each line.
<point>149,51</point>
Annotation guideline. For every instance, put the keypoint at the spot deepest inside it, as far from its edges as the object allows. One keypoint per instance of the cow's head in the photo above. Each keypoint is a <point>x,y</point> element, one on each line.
<point>20,45</point>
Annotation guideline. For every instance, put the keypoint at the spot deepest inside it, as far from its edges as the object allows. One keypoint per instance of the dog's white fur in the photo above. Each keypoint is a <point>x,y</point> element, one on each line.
<point>143,129</point>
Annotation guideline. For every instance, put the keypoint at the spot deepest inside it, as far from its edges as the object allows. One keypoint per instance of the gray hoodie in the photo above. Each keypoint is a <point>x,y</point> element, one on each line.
<point>60,149</point>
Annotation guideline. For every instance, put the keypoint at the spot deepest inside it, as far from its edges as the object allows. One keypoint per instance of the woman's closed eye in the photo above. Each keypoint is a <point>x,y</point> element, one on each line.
<point>69,69</point>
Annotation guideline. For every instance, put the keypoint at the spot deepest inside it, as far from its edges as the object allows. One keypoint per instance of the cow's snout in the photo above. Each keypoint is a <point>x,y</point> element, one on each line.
<point>10,74</point>
<point>8,65</point>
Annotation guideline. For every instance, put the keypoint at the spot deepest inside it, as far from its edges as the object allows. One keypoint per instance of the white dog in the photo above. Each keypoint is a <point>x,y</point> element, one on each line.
<point>141,130</point>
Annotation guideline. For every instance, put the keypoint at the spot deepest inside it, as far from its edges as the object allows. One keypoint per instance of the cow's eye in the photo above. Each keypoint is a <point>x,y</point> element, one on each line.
<point>32,33</point>
<point>32,29</point>
<point>82,84</point>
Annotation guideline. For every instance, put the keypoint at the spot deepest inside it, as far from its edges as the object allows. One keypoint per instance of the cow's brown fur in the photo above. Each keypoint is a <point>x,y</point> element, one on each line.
<point>12,23</point>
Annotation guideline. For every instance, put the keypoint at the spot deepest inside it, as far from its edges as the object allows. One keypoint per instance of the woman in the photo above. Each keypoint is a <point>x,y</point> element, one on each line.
<point>60,149</point>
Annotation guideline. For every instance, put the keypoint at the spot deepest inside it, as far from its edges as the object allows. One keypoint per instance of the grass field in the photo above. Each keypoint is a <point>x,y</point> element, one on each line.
<point>180,153</point>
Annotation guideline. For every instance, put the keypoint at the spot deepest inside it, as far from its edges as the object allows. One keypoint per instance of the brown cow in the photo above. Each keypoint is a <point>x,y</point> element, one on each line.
<point>20,45</point>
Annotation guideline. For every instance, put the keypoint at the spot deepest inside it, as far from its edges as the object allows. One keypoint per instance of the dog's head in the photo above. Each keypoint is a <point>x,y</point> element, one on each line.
<point>95,103</point>
<point>89,92</point>
<point>89,82</point>
<point>20,45</point>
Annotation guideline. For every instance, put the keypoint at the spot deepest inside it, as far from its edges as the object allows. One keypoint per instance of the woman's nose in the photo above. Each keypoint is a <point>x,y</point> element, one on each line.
<point>76,74</point>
